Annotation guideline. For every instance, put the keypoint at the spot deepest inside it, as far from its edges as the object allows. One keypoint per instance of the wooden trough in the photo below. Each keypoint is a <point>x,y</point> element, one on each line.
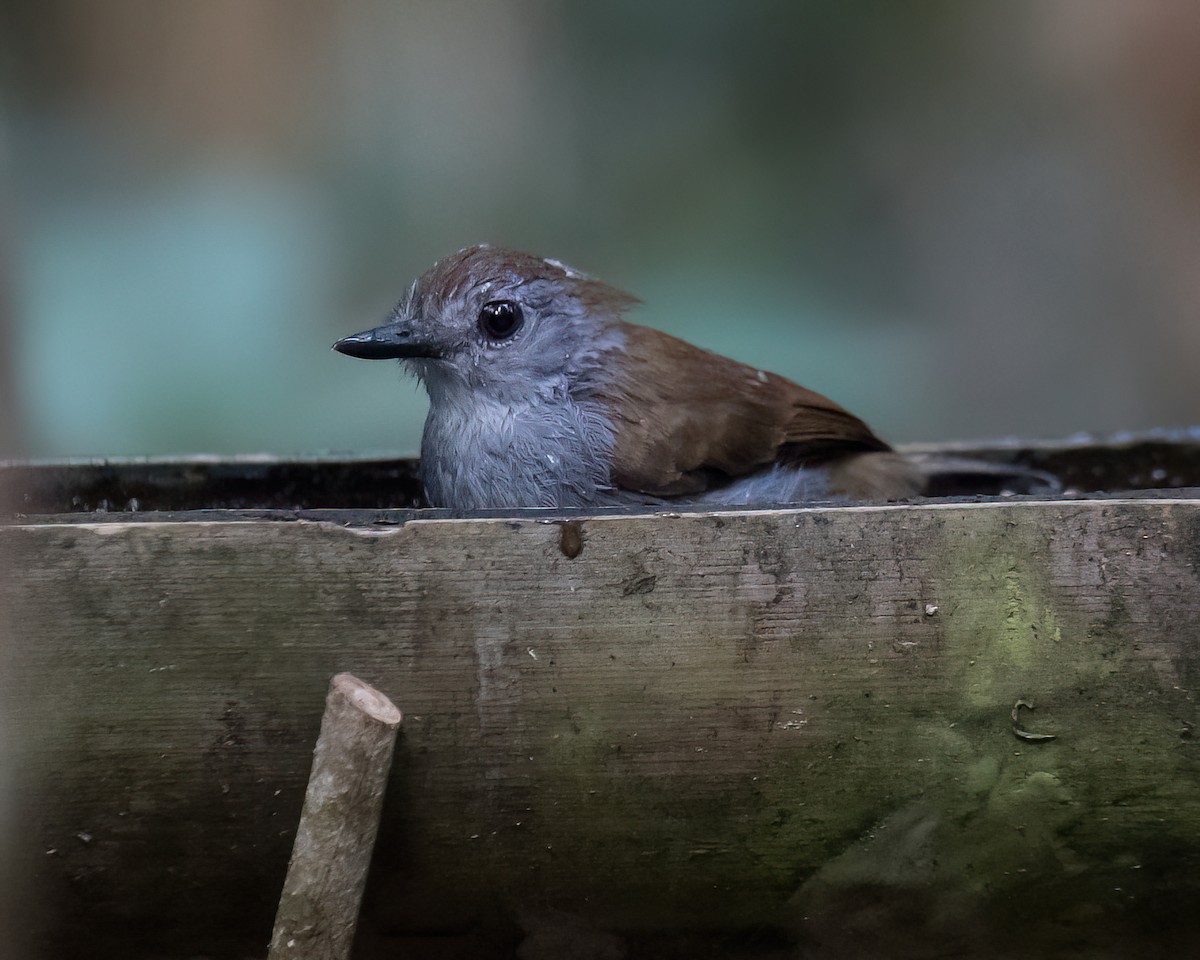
<point>941,728</point>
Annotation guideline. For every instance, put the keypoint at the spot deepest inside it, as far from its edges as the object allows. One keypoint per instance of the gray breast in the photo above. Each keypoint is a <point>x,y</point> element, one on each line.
<point>482,453</point>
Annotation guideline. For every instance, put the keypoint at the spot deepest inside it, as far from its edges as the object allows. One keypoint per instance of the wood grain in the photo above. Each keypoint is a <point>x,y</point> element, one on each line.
<point>697,722</point>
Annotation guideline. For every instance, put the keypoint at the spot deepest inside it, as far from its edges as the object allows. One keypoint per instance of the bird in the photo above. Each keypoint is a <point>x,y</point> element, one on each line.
<point>542,394</point>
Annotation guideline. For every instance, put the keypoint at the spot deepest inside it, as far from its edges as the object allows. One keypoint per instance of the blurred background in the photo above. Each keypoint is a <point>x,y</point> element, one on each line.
<point>960,219</point>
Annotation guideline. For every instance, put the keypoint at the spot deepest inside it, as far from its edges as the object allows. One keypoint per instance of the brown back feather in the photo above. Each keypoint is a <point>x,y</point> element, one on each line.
<point>715,419</point>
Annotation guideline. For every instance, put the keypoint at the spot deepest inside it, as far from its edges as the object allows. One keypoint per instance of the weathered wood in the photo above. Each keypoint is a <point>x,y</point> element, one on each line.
<point>790,719</point>
<point>318,909</point>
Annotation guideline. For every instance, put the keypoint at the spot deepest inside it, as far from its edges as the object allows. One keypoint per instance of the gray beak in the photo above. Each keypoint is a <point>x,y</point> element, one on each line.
<point>392,341</point>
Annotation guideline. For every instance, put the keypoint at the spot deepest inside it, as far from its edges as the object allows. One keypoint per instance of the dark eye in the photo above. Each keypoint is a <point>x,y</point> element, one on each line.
<point>500,319</point>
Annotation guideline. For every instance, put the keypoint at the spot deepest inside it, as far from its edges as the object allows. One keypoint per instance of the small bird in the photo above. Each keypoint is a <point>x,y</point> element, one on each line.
<point>543,395</point>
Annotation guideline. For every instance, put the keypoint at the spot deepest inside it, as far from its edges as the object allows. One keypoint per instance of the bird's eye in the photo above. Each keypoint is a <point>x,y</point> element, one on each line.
<point>500,319</point>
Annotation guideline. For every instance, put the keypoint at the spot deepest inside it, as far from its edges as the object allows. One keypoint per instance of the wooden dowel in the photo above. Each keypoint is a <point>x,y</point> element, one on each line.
<point>318,909</point>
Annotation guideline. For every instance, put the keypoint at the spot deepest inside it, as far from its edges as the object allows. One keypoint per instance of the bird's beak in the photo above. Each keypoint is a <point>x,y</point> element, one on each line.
<point>390,342</point>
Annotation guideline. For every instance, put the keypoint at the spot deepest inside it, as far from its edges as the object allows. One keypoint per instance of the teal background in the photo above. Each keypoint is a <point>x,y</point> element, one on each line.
<point>960,219</point>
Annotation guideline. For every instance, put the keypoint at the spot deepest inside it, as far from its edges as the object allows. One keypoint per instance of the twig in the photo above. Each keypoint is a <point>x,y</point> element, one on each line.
<point>318,909</point>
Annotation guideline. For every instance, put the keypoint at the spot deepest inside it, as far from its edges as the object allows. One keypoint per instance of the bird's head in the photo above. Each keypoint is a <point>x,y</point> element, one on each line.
<point>501,322</point>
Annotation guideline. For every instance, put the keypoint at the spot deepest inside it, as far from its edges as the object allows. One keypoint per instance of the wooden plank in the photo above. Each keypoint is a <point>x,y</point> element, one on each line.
<point>710,721</point>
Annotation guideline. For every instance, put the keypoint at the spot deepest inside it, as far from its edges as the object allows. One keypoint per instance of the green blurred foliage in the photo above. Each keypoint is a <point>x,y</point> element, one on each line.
<point>957,218</point>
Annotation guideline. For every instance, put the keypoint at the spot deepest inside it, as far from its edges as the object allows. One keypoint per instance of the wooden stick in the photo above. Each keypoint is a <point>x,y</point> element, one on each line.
<point>318,909</point>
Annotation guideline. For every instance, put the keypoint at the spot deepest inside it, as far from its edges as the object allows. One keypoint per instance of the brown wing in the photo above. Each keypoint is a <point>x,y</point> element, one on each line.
<point>715,419</point>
